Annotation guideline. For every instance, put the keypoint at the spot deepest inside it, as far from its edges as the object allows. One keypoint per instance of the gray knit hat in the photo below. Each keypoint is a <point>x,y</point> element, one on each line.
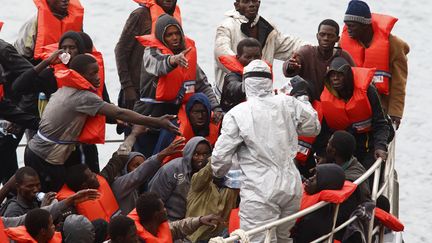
<point>358,11</point>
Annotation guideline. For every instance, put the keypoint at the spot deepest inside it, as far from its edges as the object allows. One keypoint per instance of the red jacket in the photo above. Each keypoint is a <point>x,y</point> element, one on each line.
<point>94,128</point>
<point>50,28</point>
<point>156,11</point>
<point>168,86</point>
<point>357,111</point>
<point>377,55</point>
<point>105,207</point>
<point>163,234</point>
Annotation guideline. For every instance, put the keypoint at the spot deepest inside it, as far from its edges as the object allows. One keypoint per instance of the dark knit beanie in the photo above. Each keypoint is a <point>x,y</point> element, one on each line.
<point>330,177</point>
<point>358,11</point>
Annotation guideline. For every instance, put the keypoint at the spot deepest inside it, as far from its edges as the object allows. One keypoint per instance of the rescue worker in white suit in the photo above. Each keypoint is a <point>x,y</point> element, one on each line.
<point>262,132</point>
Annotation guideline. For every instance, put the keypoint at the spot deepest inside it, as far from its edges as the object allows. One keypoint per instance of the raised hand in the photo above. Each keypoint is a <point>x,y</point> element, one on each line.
<point>294,62</point>
<point>165,122</point>
<point>180,59</point>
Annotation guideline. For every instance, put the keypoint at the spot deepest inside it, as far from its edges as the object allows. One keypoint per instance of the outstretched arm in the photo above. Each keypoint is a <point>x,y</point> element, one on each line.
<point>118,113</point>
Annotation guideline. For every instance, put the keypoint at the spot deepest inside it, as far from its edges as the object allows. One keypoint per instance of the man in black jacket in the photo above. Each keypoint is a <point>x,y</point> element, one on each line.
<point>348,87</point>
<point>12,65</point>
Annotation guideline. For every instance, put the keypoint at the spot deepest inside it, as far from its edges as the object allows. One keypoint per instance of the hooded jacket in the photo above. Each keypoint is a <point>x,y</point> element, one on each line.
<point>155,65</point>
<point>77,228</point>
<point>377,137</point>
<point>172,181</point>
<point>125,186</point>
<point>230,32</point>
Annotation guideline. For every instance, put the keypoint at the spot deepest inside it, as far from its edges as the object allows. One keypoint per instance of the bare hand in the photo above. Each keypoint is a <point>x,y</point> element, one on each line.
<point>85,195</point>
<point>175,147</point>
<point>379,153</point>
<point>294,62</point>
<point>180,59</point>
<point>130,97</point>
<point>396,120</point>
<point>217,117</point>
<point>48,198</point>
<point>54,58</point>
<point>165,122</point>
<point>211,220</point>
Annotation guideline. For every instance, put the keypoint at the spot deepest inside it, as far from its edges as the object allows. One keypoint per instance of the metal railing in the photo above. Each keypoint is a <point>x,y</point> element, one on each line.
<point>106,141</point>
<point>386,189</point>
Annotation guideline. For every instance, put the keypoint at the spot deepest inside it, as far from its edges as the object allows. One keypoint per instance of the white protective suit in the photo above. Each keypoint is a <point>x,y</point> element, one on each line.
<point>229,34</point>
<point>262,132</point>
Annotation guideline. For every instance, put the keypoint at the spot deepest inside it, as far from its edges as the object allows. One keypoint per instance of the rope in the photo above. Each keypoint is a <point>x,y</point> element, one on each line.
<point>244,238</point>
<point>217,240</point>
<point>268,236</point>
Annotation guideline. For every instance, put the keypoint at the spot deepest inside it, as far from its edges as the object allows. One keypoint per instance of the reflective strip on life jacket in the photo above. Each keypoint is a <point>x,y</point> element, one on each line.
<point>357,112</point>
<point>305,143</point>
<point>163,234</point>
<point>94,128</point>
<point>377,55</point>
<point>186,130</point>
<point>179,84</point>
<point>20,235</point>
<point>388,220</point>
<point>50,28</point>
<point>156,11</point>
<point>105,207</point>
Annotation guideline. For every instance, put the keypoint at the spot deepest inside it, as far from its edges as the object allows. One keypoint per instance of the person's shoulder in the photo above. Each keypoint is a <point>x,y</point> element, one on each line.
<point>397,43</point>
<point>140,12</point>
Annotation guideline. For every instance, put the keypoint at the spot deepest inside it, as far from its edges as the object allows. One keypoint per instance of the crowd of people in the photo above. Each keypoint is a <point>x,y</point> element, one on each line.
<point>197,161</point>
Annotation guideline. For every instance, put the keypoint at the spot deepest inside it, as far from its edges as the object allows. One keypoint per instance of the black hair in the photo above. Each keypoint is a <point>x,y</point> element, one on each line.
<point>75,176</point>
<point>119,227</point>
<point>76,37</point>
<point>344,143</point>
<point>101,230</point>
<point>36,220</point>
<point>247,42</point>
<point>330,22</point>
<point>23,171</point>
<point>81,62</point>
<point>146,205</point>
<point>88,42</point>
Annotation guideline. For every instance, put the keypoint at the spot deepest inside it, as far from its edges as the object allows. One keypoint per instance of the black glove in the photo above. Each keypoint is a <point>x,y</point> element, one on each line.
<point>299,87</point>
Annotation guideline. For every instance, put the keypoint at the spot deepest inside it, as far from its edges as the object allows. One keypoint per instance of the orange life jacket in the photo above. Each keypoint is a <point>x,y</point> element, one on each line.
<point>388,220</point>
<point>48,50</point>
<point>305,143</point>
<point>50,28</point>
<point>105,207</point>
<point>1,25</point>
<point>20,235</point>
<point>357,112</point>
<point>231,63</point>
<point>94,129</point>
<point>377,55</point>
<point>234,220</point>
<point>1,92</point>
<point>3,236</point>
<point>163,234</point>
<point>186,130</point>
<point>332,196</point>
<point>169,85</point>
<point>156,11</point>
